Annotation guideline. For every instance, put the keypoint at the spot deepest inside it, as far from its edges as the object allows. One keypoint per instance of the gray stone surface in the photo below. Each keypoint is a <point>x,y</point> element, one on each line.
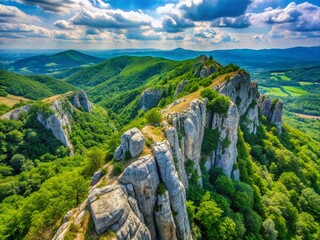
<point>110,209</point>
<point>80,99</point>
<point>272,111</point>
<point>175,188</point>
<point>150,98</point>
<point>15,113</point>
<point>95,178</point>
<point>132,142</point>
<point>142,175</point>
<point>164,219</point>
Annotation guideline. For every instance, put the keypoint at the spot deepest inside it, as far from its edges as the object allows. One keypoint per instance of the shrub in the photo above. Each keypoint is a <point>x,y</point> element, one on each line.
<point>210,140</point>
<point>209,93</point>
<point>118,168</point>
<point>225,143</point>
<point>153,117</point>
<point>220,104</point>
<point>161,189</point>
<point>224,185</point>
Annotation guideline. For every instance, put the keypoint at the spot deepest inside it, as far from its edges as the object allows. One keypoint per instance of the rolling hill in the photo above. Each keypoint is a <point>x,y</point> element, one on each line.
<point>33,86</point>
<point>53,63</point>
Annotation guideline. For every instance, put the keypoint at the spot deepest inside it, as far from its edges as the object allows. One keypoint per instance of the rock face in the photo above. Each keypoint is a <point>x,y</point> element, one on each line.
<point>80,99</point>
<point>206,71</point>
<point>190,124</point>
<point>175,188</point>
<point>58,122</point>
<point>224,157</point>
<point>141,180</point>
<point>132,142</point>
<point>150,98</point>
<point>110,209</point>
<point>95,178</point>
<point>272,111</point>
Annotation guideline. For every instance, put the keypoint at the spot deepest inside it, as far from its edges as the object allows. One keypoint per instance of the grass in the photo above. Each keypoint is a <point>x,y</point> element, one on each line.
<point>11,100</point>
<point>273,91</point>
<point>295,91</point>
<point>306,83</point>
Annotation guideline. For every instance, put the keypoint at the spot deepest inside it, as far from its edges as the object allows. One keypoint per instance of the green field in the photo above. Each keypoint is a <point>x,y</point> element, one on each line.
<point>305,83</point>
<point>273,91</point>
<point>295,91</point>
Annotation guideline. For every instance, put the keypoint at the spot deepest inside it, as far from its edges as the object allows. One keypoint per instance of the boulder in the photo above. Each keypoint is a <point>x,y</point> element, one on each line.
<point>132,142</point>
<point>95,178</point>
<point>141,180</point>
<point>110,210</point>
<point>150,98</point>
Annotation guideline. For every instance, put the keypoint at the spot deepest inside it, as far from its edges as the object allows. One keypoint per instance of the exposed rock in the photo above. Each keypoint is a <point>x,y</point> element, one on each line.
<point>61,232</point>
<point>206,71</point>
<point>176,190</point>
<point>58,122</point>
<point>164,218</point>
<point>225,156</point>
<point>132,143</point>
<point>272,111</point>
<point>150,98</point>
<point>95,178</point>
<point>15,113</point>
<point>80,99</point>
<point>236,174</point>
<point>110,209</point>
<point>142,175</point>
<point>191,125</point>
<point>180,87</point>
<point>67,217</point>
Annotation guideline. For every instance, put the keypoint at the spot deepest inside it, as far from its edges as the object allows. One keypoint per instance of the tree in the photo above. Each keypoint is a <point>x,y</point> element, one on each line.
<point>17,162</point>
<point>269,229</point>
<point>96,158</point>
<point>224,185</point>
<point>153,117</point>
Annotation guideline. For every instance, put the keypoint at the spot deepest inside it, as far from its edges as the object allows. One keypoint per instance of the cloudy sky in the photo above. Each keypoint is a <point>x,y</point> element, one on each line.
<point>164,24</point>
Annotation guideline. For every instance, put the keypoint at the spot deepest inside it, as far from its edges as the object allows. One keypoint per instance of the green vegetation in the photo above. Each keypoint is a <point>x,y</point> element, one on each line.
<point>153,117</point>
<point>210,140</point>
<point>161,189</point>
<point>52,63</point>
<point>118,168</point>
<point>33,86</point>
<point>217,103</point>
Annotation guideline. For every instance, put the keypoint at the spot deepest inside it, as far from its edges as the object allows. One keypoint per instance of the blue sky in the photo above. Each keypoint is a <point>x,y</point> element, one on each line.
<point>164,24</point>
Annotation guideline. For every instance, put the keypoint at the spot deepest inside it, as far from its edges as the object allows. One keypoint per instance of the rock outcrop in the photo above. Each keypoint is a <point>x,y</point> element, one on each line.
<point>272,110</point>
<point>141,180</point>
<point>110,210</point>
<point>58,122</point>
<point>80,99</point>
<point>132,144</point>
<point>175,188</point>
<point>150,98</point>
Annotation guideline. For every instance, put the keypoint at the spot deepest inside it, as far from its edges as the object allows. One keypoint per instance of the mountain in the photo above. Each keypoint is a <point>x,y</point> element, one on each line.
<point>53,63</point>
<point>32,86</point>
<point>189,150</point>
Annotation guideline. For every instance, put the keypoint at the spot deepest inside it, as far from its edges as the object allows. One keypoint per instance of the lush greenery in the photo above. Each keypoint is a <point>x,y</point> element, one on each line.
<point>33,86</point>
<point>277,198</point>
<point>217,103</point>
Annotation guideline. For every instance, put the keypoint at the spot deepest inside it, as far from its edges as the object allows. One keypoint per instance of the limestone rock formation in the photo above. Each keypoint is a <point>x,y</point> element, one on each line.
<point>206,71</point>
<point>80,99</point>
<point>175,188</point>
<point>150,98</point>
<point>132,142</point>
<point>224,157</point>
<point>272,110</point>
<point>141,180</point>
<point>180,87</point>
<point>164,218</point>
<point>110,210</point>
<point>96,177</point>
<point>58,122</point>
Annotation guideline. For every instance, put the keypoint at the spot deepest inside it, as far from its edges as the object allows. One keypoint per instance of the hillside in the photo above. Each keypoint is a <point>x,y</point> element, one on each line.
<point>53,63</point>
<point>32,86</point>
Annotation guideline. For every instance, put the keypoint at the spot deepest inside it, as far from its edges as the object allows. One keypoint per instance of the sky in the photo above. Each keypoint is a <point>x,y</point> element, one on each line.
<point>160,24</point>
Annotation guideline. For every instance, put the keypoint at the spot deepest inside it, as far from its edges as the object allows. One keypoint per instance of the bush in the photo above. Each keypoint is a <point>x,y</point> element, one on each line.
<point>118,168</point>
<point>225,143</point>
<point>220,104</point>
<point>224,185</point>
<point>153,117</point>
<point>161,189</point>
<point>209,93</point>
<point>210,140</point>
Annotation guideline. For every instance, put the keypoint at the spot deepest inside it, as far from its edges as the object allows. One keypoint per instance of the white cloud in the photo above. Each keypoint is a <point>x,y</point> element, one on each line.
<point>63,24</point>
<point>12,14</point>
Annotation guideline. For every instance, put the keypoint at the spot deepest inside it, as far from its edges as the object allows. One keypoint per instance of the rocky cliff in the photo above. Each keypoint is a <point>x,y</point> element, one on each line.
<point>272,110</point>
<point>150,98</point>
<point>62,107</point>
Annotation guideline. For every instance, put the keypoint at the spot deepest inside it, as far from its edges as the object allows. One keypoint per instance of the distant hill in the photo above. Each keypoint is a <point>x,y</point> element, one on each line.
<point>32,86</point>
<point>53,63</point>
<point>253,60</point>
